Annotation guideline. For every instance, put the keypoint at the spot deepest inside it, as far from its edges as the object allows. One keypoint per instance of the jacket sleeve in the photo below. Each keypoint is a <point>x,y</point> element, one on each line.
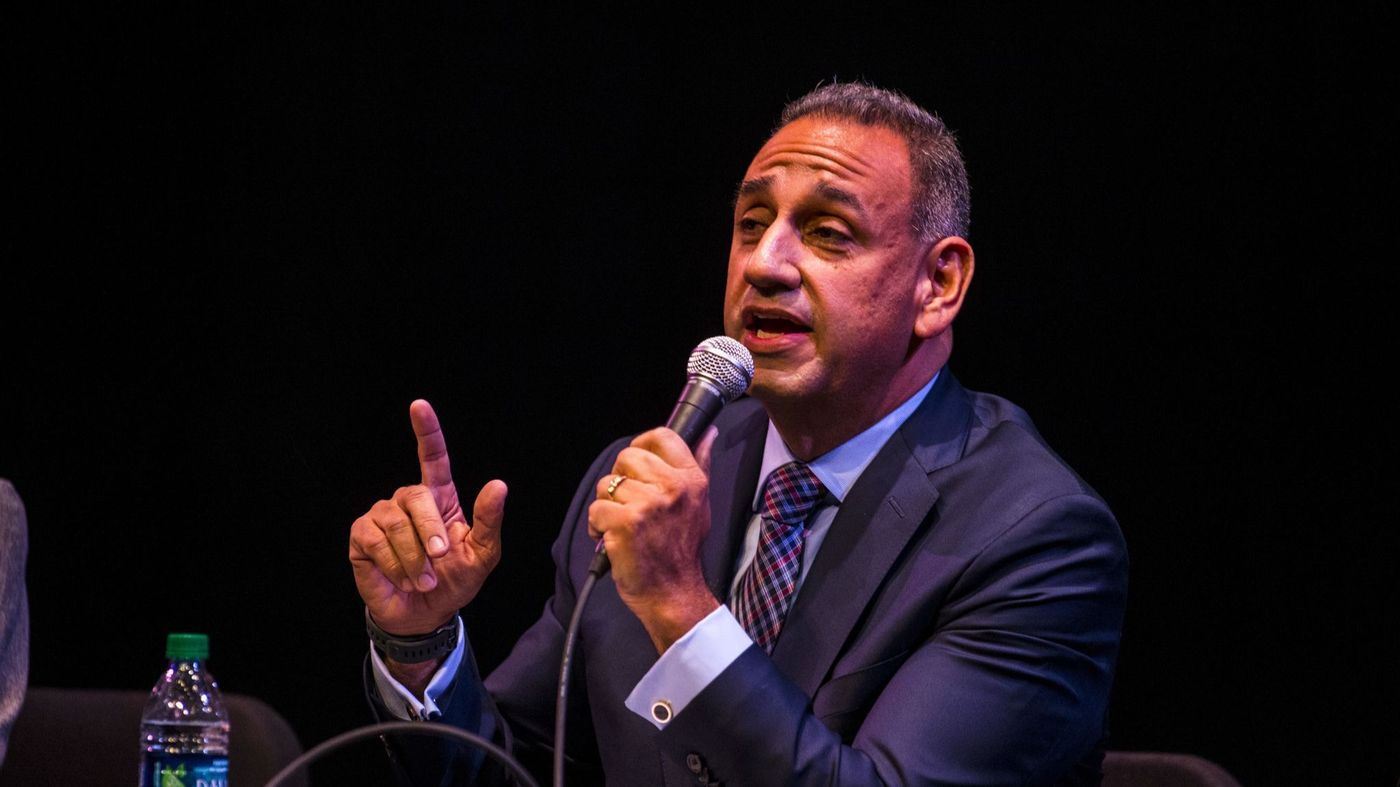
<point>1010,687</point>
<point>437,760</point>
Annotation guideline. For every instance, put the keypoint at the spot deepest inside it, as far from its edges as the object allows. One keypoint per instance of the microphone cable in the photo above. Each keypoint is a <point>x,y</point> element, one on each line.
<point>344,739</point>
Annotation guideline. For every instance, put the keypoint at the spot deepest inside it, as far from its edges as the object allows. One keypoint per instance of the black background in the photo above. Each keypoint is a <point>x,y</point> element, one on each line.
<point>240,241</point>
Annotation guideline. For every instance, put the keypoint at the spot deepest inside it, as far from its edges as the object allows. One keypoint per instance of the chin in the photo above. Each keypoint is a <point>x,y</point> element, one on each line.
<point>772,387</point>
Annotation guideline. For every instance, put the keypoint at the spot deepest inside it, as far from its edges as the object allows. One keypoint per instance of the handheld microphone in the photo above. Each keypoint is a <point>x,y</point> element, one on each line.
<point>718,372</point>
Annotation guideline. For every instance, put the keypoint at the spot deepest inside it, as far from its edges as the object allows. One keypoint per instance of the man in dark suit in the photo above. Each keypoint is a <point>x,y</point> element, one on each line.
<point>876,576</point>
<point>14,610</point>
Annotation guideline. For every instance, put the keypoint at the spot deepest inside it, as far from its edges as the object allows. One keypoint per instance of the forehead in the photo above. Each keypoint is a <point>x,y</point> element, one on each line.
<point>838,151</point>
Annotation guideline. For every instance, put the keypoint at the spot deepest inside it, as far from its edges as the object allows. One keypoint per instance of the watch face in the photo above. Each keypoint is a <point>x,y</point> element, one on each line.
<point>414,649</point>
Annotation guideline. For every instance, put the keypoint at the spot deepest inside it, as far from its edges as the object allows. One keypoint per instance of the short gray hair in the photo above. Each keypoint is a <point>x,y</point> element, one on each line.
<point>940,202</point>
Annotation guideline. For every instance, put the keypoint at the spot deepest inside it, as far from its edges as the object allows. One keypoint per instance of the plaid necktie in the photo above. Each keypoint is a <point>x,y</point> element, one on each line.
<point>765,591</point>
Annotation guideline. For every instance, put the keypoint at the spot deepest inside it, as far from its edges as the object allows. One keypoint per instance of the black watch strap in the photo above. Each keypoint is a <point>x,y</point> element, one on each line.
<point>413,650</point>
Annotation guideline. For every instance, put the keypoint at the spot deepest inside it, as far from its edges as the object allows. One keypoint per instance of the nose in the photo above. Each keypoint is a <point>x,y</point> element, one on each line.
<point>772,266</point>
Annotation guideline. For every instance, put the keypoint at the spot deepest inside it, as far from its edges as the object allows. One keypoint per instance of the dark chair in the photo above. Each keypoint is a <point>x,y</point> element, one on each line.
<point>1162,769</point>
<point>92,737</point>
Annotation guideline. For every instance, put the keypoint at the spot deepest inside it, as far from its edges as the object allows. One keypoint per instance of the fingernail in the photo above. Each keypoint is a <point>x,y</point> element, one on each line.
<point>436,545</point>
<point>426,581</point>
<point>406,585</point>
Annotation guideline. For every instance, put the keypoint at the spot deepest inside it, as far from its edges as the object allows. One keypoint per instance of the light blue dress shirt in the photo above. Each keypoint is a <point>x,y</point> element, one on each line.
<point>698,657</point>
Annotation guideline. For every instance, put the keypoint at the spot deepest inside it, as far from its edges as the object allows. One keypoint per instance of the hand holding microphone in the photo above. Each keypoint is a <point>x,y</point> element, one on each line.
<point>653,510</point>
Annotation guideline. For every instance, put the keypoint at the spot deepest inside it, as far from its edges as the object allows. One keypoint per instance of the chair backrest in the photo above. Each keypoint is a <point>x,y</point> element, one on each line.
<point>1162,769</point>
<point>92,737</point>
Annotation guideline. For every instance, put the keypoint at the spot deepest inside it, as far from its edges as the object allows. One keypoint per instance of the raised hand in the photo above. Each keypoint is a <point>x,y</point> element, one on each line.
<point>416,558</point>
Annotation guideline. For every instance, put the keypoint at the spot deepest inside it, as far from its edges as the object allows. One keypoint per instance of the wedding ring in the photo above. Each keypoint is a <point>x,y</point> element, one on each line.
<point>614,484</point>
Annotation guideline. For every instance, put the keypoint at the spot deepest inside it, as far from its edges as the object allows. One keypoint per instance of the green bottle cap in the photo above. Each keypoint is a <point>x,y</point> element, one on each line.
<point>187,646</point>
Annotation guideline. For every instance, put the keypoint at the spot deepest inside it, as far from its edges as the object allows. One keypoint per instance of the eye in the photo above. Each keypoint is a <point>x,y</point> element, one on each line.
<point>750,226</point>
<point>828,233</point>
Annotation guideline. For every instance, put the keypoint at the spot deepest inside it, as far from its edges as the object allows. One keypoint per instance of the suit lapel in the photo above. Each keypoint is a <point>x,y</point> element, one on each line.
<point>734,464</point>
<point>879,516</point>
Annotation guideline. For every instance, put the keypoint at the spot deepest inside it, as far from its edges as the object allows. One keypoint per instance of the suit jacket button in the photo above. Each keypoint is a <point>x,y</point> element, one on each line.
<point>694,763</point>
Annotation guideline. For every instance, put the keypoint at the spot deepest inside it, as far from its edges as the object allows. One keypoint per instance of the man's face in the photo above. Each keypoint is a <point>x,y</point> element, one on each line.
<point>823,264</point>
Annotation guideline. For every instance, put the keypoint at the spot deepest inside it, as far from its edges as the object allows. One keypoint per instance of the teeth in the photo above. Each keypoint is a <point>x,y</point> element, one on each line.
<point>762,334</point>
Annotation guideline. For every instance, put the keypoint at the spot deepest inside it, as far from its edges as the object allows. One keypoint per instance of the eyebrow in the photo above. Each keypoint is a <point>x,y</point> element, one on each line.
<point>752,187</point>
<point>842,196</point>
<point>825,190</point>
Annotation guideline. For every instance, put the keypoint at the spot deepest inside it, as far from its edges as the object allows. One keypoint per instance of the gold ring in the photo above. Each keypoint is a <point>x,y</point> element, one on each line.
<point>614,484</point>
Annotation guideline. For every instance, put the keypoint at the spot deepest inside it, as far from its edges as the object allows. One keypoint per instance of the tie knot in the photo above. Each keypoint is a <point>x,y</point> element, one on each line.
<point>790,493</point>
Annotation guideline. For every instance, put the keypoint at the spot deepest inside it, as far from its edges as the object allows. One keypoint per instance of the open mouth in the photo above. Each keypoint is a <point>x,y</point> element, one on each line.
<point>772,327</point>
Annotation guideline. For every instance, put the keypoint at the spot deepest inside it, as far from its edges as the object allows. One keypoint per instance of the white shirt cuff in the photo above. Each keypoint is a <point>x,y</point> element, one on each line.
<point>688,666</point>
<point>400,702</point>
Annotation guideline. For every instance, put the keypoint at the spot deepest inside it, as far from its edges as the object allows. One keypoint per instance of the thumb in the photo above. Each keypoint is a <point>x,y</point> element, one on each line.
<point>704,449</point>
<point>488,512</point>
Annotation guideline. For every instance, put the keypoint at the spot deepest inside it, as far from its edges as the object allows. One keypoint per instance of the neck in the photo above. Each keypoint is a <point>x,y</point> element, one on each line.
<point>815,425</point>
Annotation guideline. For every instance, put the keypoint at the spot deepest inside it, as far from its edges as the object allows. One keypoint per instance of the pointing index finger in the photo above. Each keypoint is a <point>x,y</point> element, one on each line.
<point>432,446</point>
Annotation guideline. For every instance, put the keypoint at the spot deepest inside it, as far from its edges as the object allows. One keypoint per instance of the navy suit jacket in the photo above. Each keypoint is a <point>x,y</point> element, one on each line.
<point>959,625</point>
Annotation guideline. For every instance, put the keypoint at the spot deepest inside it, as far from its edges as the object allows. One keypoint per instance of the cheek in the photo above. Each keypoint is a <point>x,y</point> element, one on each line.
<point>733,294</point>
<point>888,300</point>
<point>866,321</point>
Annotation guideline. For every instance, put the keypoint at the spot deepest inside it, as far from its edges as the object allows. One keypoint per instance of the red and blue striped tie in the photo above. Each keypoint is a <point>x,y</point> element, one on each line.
<point>765,591</point>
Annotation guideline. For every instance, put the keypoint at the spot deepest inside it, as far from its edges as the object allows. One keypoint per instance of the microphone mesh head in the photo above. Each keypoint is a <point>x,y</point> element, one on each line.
<point>724,361</point>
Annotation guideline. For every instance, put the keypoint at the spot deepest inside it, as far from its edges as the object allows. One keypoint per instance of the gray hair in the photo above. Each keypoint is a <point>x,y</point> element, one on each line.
<point>940,202</point>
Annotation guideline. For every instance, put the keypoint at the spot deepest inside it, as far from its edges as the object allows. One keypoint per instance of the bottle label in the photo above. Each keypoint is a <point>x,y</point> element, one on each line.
<point>184,770</point>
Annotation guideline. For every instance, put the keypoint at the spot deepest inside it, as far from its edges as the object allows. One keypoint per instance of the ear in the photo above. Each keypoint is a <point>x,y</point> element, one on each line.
<point>943,281</point>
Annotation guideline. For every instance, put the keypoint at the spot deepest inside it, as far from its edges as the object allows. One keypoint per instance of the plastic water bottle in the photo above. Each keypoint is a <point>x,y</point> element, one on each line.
<point>184,729</point>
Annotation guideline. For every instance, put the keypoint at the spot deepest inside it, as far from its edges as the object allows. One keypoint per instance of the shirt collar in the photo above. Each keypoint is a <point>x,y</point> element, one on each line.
<point>839,468</point>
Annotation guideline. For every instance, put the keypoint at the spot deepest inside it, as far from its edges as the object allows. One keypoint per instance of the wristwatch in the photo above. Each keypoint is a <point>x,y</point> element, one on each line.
<point>412,650</point>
